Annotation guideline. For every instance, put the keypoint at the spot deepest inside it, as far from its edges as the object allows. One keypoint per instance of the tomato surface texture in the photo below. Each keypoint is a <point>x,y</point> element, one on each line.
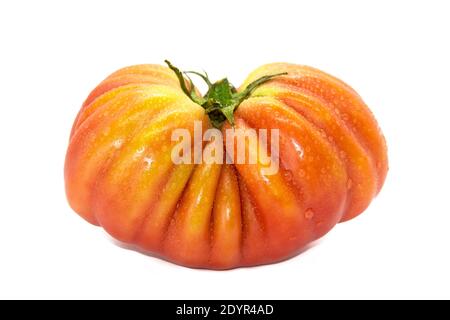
<point>119,173</point>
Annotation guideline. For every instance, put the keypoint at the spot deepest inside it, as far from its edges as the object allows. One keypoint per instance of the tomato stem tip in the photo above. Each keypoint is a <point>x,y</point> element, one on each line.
<point>222,99</point>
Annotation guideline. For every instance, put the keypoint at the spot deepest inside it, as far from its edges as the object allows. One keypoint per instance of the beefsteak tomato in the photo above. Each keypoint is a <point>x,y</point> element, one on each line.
<point>119,173</point>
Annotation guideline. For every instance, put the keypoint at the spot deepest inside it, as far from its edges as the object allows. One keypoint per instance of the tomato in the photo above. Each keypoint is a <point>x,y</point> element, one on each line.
<point>120,174</point>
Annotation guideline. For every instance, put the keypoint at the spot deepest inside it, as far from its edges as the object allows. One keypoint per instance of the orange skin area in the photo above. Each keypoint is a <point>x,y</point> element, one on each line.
<point>119,173</point>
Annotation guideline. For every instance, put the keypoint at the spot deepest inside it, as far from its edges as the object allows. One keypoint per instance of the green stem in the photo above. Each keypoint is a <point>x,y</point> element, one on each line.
<point>221,100</point>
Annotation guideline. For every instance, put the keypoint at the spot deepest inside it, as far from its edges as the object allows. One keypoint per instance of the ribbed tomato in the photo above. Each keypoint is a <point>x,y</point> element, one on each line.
<point>119,172</point>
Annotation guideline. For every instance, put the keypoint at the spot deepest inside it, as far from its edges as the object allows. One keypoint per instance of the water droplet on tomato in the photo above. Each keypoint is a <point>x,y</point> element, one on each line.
<point>140,150</point>
<point>349,184</point>
<point>118,143</point>
<point>298,148</point>
<point>138,153</point>
<point>288,175</point>
<point>301,173</point>
<point>309,214</point>
<point>148,162</point>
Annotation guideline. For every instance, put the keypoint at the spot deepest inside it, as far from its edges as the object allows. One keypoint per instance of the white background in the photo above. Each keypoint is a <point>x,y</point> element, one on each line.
<point>394,53</point>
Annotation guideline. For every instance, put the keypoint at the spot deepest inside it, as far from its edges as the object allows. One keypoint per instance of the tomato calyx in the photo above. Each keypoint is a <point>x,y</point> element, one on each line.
<point>222,99</point>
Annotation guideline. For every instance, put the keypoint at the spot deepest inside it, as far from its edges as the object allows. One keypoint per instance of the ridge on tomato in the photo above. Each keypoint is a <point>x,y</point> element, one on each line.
<point>119,173</point>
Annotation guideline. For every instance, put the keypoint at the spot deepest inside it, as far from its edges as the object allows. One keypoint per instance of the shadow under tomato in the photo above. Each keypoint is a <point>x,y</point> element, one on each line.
<point>139,250</point>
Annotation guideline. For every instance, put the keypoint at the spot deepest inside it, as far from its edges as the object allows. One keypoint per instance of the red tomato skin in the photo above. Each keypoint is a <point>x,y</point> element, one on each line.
<point>119,173</point>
